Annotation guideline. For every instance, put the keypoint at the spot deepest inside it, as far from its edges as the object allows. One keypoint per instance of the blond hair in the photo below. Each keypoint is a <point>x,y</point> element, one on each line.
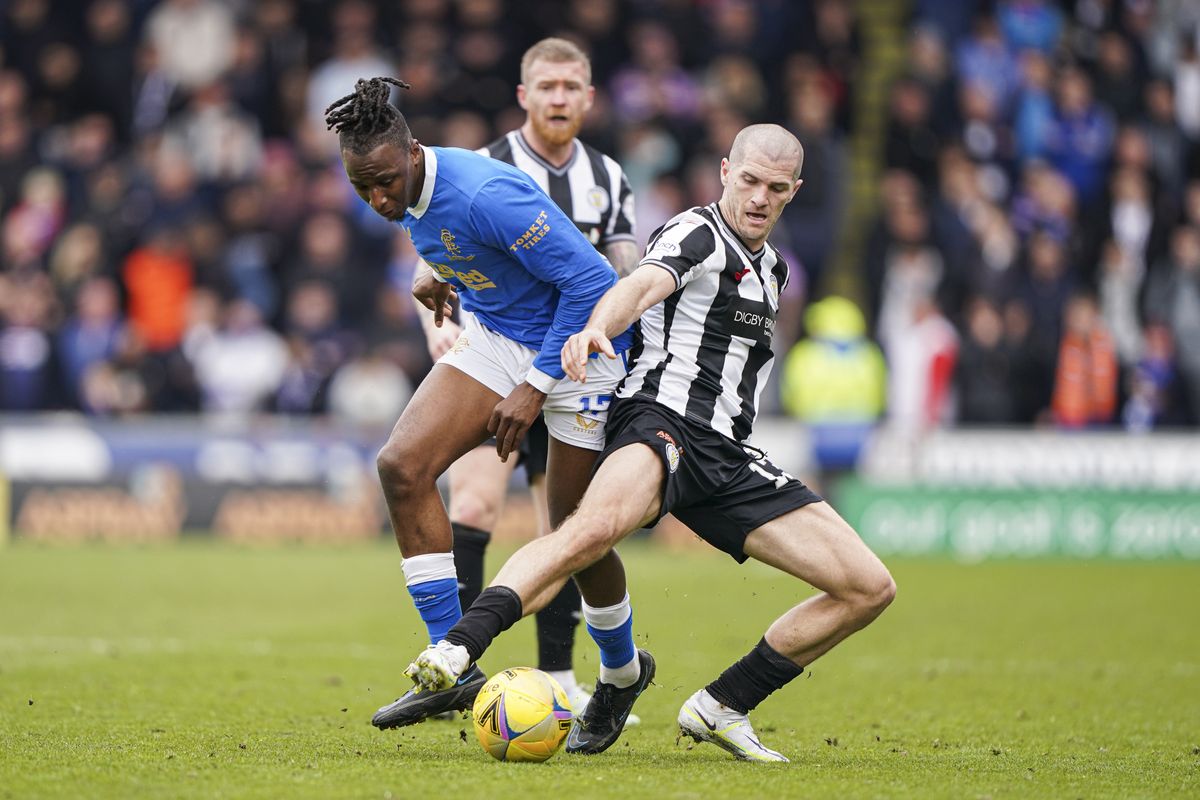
<point>557,51</point>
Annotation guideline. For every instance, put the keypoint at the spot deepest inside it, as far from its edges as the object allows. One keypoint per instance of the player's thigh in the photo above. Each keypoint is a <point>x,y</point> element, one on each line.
<point>568,470</point>
<point>446,417</point>
<point>478,487</point>
<point>625,492</point>
<point>814,544</point>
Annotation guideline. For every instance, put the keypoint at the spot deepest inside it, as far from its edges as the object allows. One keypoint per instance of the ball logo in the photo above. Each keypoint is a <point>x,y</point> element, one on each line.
<point>598,198</point>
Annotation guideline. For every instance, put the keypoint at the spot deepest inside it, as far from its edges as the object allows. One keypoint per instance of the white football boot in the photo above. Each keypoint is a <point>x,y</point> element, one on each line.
<point>438,666</point>
<point>706,720</point>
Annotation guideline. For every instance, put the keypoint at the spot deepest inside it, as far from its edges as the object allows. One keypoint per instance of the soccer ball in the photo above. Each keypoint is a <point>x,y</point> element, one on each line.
<point>522,714</point>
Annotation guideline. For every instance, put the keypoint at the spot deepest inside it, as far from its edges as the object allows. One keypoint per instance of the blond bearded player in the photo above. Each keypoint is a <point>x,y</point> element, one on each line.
<point>591,189</point>
<point>706,294</point>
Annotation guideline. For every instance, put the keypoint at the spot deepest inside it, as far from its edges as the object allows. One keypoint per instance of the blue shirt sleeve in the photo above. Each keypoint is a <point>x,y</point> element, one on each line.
<point>519,218</point>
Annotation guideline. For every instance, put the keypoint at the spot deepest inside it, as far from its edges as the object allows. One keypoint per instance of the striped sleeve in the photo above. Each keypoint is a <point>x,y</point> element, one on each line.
<point>682,247</point>
<point>621,210</point>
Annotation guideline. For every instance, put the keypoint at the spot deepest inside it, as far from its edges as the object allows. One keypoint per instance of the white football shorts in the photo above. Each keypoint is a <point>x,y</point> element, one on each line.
<point>575,413</point>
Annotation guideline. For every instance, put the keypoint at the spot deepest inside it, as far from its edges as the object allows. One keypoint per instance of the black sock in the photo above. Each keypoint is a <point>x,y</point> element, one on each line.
<point>556,625</point>
<point>755,675</point>
<point>469,546</point>
<point>496,610</point>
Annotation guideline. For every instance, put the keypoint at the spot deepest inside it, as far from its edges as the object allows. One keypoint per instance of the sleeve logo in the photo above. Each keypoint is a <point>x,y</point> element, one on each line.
<point>533,234</point>
<point>664,249</point>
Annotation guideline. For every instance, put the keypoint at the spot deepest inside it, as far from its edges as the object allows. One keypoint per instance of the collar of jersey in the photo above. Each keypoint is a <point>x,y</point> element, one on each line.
<point>731,235</point>
<point>427,190</point>
<point>528,148</point>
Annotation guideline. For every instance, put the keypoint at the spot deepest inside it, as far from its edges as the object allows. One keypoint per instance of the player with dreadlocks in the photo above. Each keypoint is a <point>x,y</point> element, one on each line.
<point>497,242</point>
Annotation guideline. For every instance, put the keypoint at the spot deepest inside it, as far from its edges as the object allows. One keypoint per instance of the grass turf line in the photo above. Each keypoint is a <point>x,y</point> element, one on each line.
<point>202,670</point>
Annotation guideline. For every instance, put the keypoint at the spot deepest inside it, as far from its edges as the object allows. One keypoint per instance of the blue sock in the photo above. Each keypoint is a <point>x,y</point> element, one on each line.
<point>433,584</point>
<point>612,630</point>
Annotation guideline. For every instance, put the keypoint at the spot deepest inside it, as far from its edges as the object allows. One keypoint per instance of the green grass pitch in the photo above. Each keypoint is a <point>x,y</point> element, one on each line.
<point>204,670</point>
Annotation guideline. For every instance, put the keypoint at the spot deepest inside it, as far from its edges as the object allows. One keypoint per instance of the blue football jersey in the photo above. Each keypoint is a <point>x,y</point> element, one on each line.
<point>519,264</point>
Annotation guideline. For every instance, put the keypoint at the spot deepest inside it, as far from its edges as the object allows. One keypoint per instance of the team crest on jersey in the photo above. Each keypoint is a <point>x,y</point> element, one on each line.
<point>452,249</point>
<point>598,198</point>
<point>773,285</point>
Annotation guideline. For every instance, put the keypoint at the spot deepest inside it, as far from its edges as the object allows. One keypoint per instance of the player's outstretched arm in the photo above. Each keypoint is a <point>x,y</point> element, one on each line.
<point>617,310</point>
<point>438,338</point>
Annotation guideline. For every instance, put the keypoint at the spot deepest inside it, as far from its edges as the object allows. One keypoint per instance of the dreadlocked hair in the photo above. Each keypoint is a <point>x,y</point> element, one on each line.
<point>366,118</point>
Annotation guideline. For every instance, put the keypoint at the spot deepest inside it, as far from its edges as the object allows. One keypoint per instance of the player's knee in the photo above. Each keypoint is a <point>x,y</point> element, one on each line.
<point>477,510</point>
<point>875,591</point>
<point>400,470</point>
<point>592,536</point>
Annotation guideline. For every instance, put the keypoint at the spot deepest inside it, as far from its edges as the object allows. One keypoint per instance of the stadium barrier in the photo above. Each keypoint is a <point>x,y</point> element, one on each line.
<point>968,494</point>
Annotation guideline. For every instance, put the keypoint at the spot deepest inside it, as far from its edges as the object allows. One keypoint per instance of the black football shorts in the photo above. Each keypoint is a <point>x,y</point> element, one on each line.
<point>720,489</point>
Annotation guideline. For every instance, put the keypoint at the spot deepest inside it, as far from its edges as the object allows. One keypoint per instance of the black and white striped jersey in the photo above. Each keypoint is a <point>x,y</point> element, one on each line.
<point>705,351</point>
<point>591,189</point>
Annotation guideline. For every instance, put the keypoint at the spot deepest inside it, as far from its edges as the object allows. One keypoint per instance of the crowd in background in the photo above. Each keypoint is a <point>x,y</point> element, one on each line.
<point>176,232</point>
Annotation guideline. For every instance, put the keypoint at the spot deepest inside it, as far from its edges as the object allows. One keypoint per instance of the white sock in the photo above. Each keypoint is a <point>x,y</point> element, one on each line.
<point>614,623</point>
<point>566,679</point>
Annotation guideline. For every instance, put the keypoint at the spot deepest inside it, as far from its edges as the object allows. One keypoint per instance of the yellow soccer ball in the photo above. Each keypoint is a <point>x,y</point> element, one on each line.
<point>522,714</point>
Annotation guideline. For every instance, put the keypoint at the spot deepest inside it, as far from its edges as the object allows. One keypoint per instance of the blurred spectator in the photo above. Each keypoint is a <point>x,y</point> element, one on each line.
<point>1152,383</point>
<point>1187,87</point>
<point>654,84</point>
<point>813,218</point>
<point>355,55</point>
<point>1085,382</point>
<point>91,335</point>
<point>929,65</point>
<point>34,222</point>
<point>1120,283</point>
<point>1168,146</point>
<point>1118,81</point>
<point>921,350</point>
<point>1173,300</point>
<point>193,40</point>
<point>983,372</point>
<point>109,53</point>
<point>223,142</point>
<point>835,382</point>
<point>912,143</point>
<point>987,63</point>
<point>158,277</point>
<point>240,365</point>
<point>370,391</point>
<point>836,39</point>
<point>1030,24</point>
<point>1034,120</point>
<point>27,370</point>
<point>1046,286</point>
<point>318,348</point>
<point>1081,136</point>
